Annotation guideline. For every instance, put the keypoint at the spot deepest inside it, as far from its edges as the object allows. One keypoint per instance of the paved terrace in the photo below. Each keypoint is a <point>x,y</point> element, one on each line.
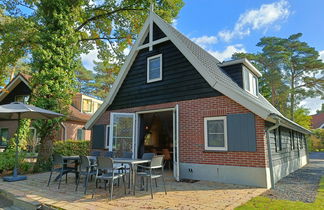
<point>181,195</point>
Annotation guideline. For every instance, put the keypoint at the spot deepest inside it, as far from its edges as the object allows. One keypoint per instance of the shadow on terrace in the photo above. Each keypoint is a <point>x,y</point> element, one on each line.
<point>201,194</point>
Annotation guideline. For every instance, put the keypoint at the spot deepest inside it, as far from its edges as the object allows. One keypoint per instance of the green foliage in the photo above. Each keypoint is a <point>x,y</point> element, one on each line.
<point>261,202</point>
<point>7,159</point>
<point>317,140</point>
<point>72,147</point>
<point>301,116</point>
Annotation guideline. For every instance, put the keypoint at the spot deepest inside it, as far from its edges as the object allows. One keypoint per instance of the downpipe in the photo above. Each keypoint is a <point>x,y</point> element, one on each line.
<point>275,126</point>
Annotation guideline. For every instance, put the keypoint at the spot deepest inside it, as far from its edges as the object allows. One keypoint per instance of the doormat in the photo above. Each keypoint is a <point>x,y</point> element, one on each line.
<point>189,180</point>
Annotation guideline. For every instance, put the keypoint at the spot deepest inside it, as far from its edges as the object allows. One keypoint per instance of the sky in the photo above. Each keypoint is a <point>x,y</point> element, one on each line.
<point>224,27</point>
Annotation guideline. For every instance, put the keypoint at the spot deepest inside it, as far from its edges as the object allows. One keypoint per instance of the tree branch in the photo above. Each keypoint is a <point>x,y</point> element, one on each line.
<point>101,38</point>
<point>96,17</point>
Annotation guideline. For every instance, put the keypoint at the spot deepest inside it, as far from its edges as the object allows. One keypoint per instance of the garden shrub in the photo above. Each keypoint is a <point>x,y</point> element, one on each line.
<point>7,160</point>
<point>72,147</point>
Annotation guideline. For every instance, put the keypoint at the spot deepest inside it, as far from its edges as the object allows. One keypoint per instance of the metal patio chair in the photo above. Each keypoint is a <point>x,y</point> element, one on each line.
<point>85,169</point>
<point>107,172</point>
<point>154,171</point>
<point>59,166</point>
<point>95,153</point>
<point>109,154</point>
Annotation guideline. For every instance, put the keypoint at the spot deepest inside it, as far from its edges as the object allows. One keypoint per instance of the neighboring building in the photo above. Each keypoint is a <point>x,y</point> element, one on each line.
<point>173,97</point>
<point>317,120</point>
<point>18,89</point>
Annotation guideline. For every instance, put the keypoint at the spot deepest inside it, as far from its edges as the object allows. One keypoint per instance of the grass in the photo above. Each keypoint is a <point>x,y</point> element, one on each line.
<point>262,202</point>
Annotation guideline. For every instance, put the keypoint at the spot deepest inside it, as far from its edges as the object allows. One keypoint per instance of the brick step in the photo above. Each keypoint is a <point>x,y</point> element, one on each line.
<point>19,202</point>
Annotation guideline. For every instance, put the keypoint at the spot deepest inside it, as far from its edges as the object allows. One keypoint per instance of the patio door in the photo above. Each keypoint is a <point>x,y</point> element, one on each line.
<point>176,164</point>
<point>122,133</point>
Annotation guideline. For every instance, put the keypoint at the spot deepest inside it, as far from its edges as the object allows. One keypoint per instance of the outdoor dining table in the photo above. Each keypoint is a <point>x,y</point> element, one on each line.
<point>76,160</point>
<point>133,168</point>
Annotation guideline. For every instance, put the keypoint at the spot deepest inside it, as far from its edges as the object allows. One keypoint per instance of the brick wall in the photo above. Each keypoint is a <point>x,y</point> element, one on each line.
<point>72,130</point>
<point>191,128</point>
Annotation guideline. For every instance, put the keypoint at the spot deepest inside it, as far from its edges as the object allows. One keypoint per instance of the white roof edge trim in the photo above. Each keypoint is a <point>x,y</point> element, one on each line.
<point>12,84</point>
<point>246,62</point>
<point>120,78</point>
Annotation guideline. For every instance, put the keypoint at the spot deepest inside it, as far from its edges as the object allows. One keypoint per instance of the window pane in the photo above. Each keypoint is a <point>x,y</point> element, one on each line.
<point>254,85</point>
<point>215,126</point>
<point>87,105</point>
<point>216,140</point>
<point>154,68</point>
<point>246,80</point>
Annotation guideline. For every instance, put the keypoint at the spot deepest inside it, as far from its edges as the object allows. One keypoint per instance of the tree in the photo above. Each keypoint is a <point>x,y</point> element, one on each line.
<point>292,71</point>
<point>55,33</point>
<point>105,76</point>
<point>301,116</point>
<point>85,79</point>
<point>301,67</point>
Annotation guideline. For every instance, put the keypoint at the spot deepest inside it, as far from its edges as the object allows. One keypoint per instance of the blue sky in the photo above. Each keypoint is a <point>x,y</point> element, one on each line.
<point>228,26</point>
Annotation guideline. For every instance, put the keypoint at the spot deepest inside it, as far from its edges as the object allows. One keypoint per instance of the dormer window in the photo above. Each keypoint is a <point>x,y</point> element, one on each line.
<point>154,68</point>
<point>22,98</point>
<point>250,82</point>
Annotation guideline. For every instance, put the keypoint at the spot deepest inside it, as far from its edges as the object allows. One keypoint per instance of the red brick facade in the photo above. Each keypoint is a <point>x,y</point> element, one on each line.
<point>191,131</point>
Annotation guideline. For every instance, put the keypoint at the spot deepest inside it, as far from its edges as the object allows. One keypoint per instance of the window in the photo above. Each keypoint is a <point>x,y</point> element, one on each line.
<point>22,98</point>
<point>215,133</point>
<point>4,135</point>
<point>291,140</point>
<point>277,138</point>
<point>154,68</point>
<point>80,134</point>
<point>250,82</point>
<point>87,105</point>
<point>107,136</point>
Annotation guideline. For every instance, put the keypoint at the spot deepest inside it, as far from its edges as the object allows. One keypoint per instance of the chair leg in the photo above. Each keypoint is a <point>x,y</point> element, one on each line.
<point>124,181</point>
<point>86,184</point>
<point>163,182</point>
<point>77,184</point>
<point>94,189</point>
<point>155,183</point>
<point>61,174</point>
<point>66,177</point>
<point>151,187</point>
<point>111,189</point>
<point>146,184</point>
<point>49,180</point>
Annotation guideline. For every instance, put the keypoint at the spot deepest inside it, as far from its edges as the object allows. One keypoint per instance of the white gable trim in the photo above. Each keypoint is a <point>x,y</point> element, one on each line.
<point>12,84</point>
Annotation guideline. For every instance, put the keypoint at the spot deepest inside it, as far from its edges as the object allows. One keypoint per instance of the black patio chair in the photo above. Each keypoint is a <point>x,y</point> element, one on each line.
<point>95,153</point>
<point>127,155</point>
<point>59,166</point>
<point>85,169</point>
<point>154,171</point>
<point>109,154</point>
<point>107,172</point>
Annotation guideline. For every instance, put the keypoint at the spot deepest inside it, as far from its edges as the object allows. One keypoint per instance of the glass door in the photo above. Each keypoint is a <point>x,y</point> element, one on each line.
<point>122,133</point>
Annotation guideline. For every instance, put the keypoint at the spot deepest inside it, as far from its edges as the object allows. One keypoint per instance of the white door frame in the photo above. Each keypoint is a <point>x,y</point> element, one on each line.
<point>175,113</point>
<point>112,127</point>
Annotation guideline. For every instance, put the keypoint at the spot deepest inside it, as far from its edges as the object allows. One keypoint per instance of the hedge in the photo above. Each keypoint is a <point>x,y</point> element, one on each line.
<point>72,147</point>
<point>7,160</point>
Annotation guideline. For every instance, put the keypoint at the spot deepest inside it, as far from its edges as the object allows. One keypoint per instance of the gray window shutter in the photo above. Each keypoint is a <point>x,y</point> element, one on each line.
<point>98,136</point>
<point>241,132</point>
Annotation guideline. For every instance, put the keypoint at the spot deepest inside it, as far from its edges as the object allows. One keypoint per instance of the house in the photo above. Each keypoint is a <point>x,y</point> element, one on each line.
<point>172,97</point>
<point>317,120</point>
<point>81,109</point>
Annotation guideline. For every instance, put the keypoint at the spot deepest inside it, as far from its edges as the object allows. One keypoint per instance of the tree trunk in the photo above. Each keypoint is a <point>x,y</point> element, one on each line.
<point>292,97</point>
<point>44,154</point>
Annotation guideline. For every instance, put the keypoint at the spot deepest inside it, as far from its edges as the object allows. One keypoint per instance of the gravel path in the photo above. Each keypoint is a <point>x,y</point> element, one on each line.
<point>301,185</point>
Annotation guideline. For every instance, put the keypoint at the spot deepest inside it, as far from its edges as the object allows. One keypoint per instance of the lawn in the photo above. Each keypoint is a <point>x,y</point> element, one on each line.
<point>261,202</point>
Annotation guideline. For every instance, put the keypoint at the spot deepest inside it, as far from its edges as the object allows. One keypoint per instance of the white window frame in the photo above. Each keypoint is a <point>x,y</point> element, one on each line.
<point>106,136</point>
<point>253,82</point>
<point>206,119</point>
<point>148,69</point>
